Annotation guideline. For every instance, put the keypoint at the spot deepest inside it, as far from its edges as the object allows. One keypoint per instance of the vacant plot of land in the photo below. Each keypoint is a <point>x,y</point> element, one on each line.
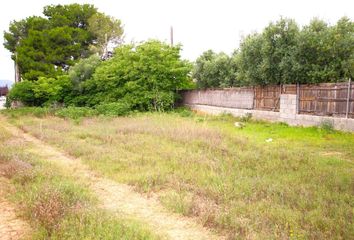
<point>42,199</point>
<point>263,181</point>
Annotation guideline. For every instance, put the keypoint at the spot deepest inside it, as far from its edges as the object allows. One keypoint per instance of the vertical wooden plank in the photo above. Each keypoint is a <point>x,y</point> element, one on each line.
<point>297,98</point>
<point>348,98</point>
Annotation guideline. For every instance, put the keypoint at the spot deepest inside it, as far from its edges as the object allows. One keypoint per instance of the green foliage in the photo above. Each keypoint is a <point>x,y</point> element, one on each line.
<point>326,53</point>
<point>146,76</point>
<point>105,29</point>
<point>48,46</point>
<point>24,92</point>
<point>83,70</point>
<point>283,53</point>
<point>113,109</point>
<point>215,70</point>
<point>44,91</point>
<point>72,15</point>
<point>269,58</point>
<point>246,118</point>
<point>184,112</point>
<point>278,52</point>
<point>76,112</point>
<point>39,112</point>
<point>327,126</point>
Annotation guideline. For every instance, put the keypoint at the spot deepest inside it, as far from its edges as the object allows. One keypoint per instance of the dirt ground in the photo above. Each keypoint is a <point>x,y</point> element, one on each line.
<point>11,226</point>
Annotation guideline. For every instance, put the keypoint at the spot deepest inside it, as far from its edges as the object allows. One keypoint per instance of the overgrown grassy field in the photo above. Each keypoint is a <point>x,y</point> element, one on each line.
<point>57,205</point>
<point>300,185</point>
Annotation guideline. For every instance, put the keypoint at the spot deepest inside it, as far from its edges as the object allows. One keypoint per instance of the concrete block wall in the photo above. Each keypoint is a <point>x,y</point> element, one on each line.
<point>232,98</point>
<point>287,113</point>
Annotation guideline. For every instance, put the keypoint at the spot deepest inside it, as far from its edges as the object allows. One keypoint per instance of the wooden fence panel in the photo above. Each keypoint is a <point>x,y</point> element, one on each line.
<point>267,98</point>
<point>326,99</point>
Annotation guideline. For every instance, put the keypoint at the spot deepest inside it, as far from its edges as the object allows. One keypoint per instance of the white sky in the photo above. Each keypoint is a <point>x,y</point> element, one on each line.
<point>198,25</point>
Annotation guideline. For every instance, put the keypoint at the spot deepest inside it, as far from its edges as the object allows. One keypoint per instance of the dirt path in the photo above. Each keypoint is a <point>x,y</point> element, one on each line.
<point>120,197</point>
<point>11,227</point>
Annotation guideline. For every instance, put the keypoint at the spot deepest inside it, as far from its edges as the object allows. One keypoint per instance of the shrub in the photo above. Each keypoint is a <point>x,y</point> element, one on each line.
<point>327,125</point>
<point>184,112</point>
<point>49,208</point>
<point>43,92</point>
<point>113,109</point>
<point>23,92</point>
<point>14,168</point>
<point>246,118</point>
<point>147,76</point>
<point>76,112</point>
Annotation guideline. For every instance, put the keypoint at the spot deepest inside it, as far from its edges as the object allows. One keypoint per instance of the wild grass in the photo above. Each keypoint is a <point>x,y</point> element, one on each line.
<point>57,205</point>
<point>299,186</point>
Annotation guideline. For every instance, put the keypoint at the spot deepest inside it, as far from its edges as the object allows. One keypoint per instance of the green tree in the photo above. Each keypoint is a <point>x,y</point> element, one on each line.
<point>83,70</point>
<point>215,70</point>
<point>326,53</point>
<point>146,76</point>
<point>71,15</point>
<point>314,53</point>
<point>343,34</point>
<point>278,52</point>
<point>106,30</point>
<point>249,60</point>
<point>283,53</point>
<point>49,46</point>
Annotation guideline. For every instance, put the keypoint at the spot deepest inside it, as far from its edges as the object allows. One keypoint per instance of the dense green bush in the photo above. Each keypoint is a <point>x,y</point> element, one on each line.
<point>82,71</point>
<point>146,76</point>
<point>43,92</point>
<point>113,109</point>
<point>215,70</point>
<point>24,92</point>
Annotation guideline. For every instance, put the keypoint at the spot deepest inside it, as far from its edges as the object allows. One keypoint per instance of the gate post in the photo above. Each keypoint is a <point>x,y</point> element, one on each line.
<point>297,98</point>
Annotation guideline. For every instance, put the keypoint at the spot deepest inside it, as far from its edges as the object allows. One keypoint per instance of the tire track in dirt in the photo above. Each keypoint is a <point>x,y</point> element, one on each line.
<point>122,198</point>
<point>11,227</point>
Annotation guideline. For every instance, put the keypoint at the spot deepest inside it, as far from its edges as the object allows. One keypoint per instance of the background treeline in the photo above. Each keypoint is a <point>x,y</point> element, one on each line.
<point>283,53</point>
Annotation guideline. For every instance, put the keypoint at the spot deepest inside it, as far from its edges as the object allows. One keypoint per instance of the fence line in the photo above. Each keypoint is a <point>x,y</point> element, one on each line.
<point>326,99</point>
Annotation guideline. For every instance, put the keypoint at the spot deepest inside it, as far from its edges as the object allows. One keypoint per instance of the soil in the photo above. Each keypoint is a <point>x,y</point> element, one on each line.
<point>11,226</point>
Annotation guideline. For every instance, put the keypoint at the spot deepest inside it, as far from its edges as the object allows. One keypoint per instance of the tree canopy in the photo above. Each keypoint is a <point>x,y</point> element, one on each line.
<point>284,53</point>
<point>215,70</point>
<point>47,46</point>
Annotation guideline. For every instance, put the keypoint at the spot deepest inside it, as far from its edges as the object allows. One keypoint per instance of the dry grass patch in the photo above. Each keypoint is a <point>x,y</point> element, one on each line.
<point>56,204</point>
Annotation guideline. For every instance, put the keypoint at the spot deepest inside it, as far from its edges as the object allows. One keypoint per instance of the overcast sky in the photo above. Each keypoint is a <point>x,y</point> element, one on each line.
<point>198,25</point>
